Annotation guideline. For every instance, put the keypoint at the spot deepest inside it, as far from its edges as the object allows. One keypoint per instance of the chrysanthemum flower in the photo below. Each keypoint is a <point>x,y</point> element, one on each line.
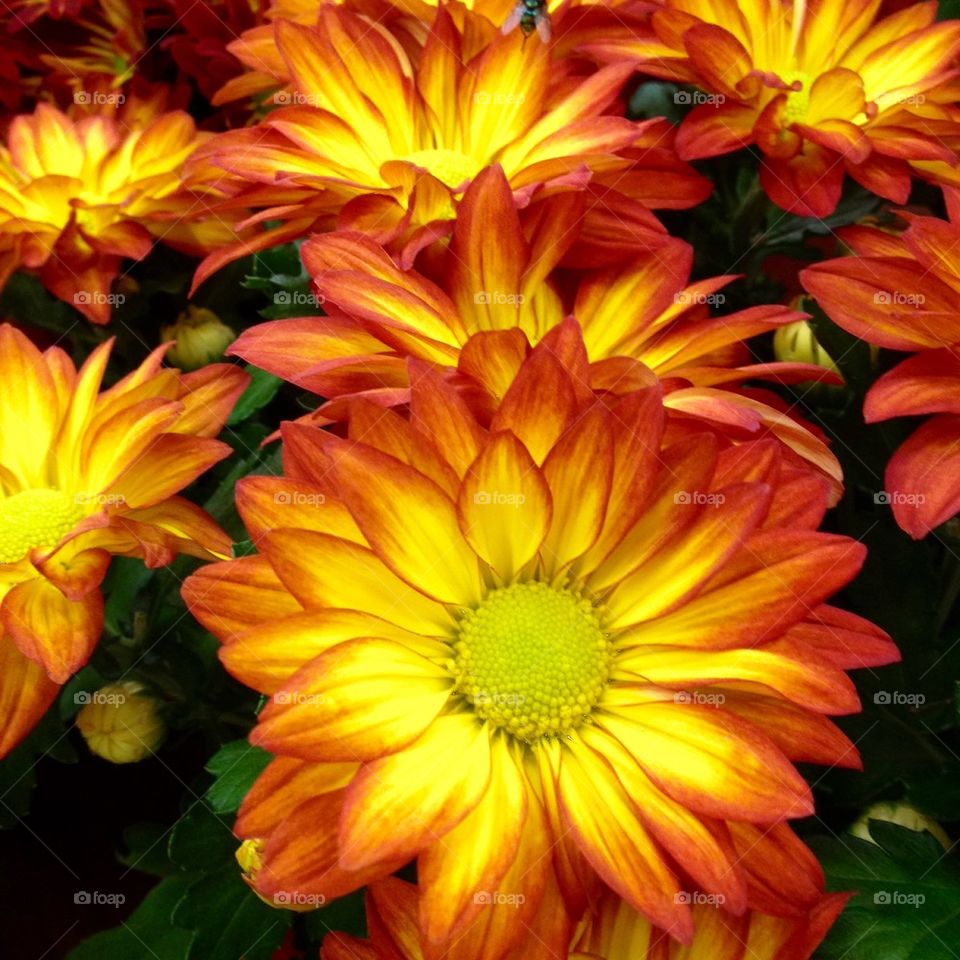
<point>114,37</point>
<point>902,293</point>
<point>820,88</point>
<point>84,476</point>
<point>537,652</point>
<point>611,931</point>
<point>494,279</point>
<point>384,145</point>
<point>79,196</point>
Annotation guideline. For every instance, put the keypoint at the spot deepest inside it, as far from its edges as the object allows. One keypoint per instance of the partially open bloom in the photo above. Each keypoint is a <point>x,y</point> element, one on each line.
<point>84,476</point>
<point>820,87</point>
<point>494,279</point>
<point>539,652</point>
<point>370,140</point>
<point>611,931</point>
<point>79,196</point>
<point>902,293</point>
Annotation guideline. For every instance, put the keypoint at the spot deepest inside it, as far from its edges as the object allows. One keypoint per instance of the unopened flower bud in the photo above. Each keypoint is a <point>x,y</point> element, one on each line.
<point>797,343</point>
<point>121,722</point>
<point>201,338</point>
<point>902,814</point>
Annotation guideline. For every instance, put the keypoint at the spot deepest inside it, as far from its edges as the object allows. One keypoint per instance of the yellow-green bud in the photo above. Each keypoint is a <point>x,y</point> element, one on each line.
<point>796,343</point>
<point>201,338</point>
<point>902,814</point>
<point>121,722</point>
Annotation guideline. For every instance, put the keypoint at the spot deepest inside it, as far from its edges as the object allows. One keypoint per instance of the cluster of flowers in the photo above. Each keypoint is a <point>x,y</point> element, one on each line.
<point>540,601</point>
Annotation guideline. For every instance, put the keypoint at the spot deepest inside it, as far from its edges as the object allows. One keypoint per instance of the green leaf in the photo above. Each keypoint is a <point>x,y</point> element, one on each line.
<point>262,389</point>
<point>146,933</point>
<point>202,840</point>
<point>125,580</point>
<point>229,921</point>
<point>236,766</point>
<point>145,846</point>
<point>907,903</point>
<point>50,738</point>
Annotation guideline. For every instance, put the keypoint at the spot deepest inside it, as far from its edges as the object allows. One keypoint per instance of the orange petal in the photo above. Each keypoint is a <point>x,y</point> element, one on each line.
<point>359,700</point>
<point>57,633</point>
<point>400,804</point>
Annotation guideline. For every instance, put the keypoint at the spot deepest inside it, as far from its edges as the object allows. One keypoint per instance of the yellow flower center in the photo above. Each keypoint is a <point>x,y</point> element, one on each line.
<point>450,167</point>
<point>35,518</point>
<point>533,659</point>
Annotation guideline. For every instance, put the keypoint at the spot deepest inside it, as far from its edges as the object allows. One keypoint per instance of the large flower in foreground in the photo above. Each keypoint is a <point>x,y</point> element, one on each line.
<point>383,145</point>
<point>611,931</point>
<point>84,476</point>
<point>902,293</point>
<point>79,196</point>
<point>819,87</point>
<point>492,278</point>
<point>538,653</point>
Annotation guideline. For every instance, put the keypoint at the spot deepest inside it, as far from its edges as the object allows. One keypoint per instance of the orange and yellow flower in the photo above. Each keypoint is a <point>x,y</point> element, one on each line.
<point>537,651</point>
<point>372,141</point>
<point>86,475</point>
<point>493,278</point>
<point>77,197</point>
<point>611,931</point>
<point>821,87</point>
<point>901,293</point>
